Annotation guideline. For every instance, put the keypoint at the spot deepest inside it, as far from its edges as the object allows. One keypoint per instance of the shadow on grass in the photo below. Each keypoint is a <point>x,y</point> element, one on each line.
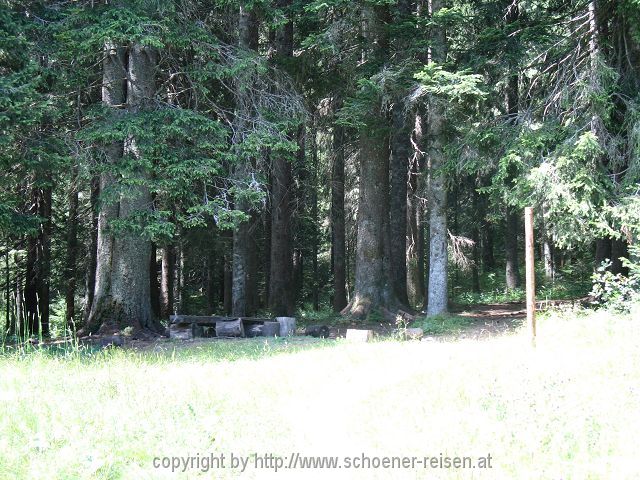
<point>167,351</point>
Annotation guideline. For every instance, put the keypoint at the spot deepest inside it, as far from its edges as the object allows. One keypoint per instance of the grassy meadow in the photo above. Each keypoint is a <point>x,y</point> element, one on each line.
<point>569,408</point>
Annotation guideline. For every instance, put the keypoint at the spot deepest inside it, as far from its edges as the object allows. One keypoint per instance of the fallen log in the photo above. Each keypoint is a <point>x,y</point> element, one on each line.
<point>211,319</point>
<point>232,328</point>
<point>399,316</point>
<point>181,332</point>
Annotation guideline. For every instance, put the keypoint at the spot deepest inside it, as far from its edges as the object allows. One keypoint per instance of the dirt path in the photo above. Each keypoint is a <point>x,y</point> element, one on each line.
<point>490,320</point>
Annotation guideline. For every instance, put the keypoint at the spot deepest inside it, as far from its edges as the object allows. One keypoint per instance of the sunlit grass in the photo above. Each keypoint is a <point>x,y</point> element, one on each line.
<point>566,409</point>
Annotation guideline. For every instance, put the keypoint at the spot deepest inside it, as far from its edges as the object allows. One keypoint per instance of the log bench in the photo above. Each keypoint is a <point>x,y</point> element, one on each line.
<point>185,327</point>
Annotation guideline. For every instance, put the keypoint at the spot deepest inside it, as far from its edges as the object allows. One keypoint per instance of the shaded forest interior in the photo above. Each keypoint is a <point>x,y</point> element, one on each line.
<point>279,156</point>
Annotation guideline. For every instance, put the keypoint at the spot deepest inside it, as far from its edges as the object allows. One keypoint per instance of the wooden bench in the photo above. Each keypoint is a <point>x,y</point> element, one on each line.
<point>191,326</point>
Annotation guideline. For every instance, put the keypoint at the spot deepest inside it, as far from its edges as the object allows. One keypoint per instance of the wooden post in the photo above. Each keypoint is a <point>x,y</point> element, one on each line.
<point>531,274</point>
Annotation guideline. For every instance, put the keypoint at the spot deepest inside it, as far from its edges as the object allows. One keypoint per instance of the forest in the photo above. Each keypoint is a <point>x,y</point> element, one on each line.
<point>276,156</point>
<point>375,190</point>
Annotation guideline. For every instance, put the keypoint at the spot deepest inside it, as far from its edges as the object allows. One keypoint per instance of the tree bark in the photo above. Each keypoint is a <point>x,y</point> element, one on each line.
<point>437,302</point>
<point>373,284</point>
<point>240,267</point>
<point>400,148</point>
<point>166,281</point>
<point>154,285</point>
<point>315,287</point>
<point>92,260</point>
<point>373,289</point>
<point>512,271</point>
<point>338,247</point>
<point>19,319</point>
<point>130,282</point>
<point>475,236</point>
<point>252,266</point>
<point>243,258</point>
<point>415,223</point>
<point>227,285</point>
<point>9,328</point>
<point>72,250</point>
<point>123,296</point>
<point>280,301</point>
<point>280,293</point>
<point>113,96</point>
<point>38,266</point>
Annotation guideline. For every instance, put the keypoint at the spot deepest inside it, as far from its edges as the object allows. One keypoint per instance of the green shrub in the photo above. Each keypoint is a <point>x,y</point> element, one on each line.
<point>617,291</point>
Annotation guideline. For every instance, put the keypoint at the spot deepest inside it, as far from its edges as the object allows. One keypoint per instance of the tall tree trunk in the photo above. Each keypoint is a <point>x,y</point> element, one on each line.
<point>9,328</point>
<point>280,301</point>
<point>302,222</point>
<point>72,250</point>
<point>31,325</point>
<point>266,249</point>
<point>92,258</point>
<point>315,287</point>
<point>179,278</point>
<point>240,267</point>
<point>252,266</point>
<point>228,285</point>
<point>415,224</point>
<point>45,260</point>
<point>166,281</point>
<point>130,282</point>
<point>437,302</point>
<point>242,241</point>
<point>512,271</point>
<point>210,280</point>
<point>549,266</point>
<point>399,168</point>
<point>373,285</point>
<point>113,96</point>
<point>123,296</point>
<point>373,289</point>
<point>488,259</point>
<point>280,294</point>
<point>19,319</point>
<point>338,246</point>
<point>475,236</point>
<point>154,285</point>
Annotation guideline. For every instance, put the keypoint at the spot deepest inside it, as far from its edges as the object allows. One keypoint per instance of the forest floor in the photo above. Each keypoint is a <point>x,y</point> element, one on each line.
<point>567,408</point>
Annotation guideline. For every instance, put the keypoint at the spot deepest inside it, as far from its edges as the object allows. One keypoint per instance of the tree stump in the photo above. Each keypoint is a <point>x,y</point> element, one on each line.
<point>271,329</point>
<point>360,336</point>
<point>317,331</point>
<point>287,326</point>
<point>253,330</point>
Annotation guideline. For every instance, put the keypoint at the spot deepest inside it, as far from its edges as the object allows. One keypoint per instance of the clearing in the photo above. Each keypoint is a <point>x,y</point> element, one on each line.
<point>566,409</point>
